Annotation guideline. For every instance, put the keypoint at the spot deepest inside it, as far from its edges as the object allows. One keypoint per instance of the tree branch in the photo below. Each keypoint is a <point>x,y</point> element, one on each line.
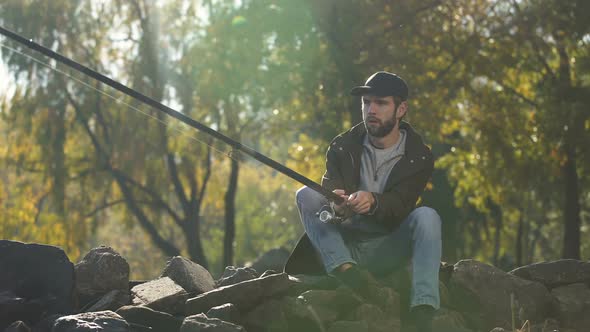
<point>168,248</point>
<point>156,199</point>
<point>102,207</point>
<point>206,177</point>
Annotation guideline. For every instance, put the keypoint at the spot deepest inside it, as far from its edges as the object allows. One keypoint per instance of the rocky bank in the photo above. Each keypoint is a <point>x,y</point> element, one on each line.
<point>41,290</point>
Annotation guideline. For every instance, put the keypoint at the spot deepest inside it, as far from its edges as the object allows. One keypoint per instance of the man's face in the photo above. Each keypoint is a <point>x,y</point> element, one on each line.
<point>379,115</point>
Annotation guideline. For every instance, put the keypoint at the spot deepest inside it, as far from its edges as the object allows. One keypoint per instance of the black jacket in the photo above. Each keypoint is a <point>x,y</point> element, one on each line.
<point>404,185</point>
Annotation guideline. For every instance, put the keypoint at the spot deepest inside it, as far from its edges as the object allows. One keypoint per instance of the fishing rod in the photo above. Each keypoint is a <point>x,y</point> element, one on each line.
<point>326,214</point>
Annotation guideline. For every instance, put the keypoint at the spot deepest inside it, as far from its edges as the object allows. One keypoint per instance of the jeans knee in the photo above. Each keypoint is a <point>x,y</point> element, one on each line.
<point>308,198</point>
<point>427,219</point>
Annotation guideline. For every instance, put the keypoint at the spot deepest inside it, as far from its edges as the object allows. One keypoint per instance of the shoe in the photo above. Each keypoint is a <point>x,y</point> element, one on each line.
<point>422,316</point>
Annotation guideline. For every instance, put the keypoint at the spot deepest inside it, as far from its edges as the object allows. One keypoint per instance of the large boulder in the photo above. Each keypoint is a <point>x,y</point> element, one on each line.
<point>155,320</point>
<point>233,275</point>
<point>107,321</point>
<point>35,280</point>
<point>273,259</point>
<point>376,317</point>
<point>572,306</point>
<point>556,273</point>
<point>202,323</point>
<point>329,305</point>
<point>483,293</point>
<point>161,294</point>
<point>244,295</point>
<point>284,314</point>
<point>227,312</point>
<point>112,300</point>
<point>101,271</point>
<point>191,276</point>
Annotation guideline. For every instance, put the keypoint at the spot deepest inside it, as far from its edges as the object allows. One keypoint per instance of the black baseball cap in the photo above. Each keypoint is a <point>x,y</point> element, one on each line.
<point>382,84</point>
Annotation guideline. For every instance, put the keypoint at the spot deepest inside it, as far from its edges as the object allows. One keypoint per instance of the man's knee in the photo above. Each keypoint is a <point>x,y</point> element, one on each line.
<point>306,196</point>
<point>427,218</point>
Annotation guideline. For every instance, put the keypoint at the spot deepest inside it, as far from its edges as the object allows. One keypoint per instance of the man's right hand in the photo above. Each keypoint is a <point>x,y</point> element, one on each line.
<point>343,207</point>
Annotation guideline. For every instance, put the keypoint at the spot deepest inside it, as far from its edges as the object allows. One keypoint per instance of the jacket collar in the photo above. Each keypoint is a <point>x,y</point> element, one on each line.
<point>353,139</point>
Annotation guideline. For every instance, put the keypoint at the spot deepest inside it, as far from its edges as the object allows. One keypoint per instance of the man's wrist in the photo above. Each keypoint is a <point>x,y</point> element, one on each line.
<point>374,204</point>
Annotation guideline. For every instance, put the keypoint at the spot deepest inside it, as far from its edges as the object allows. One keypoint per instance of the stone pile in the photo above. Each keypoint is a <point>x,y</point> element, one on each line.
<point>41,290</point>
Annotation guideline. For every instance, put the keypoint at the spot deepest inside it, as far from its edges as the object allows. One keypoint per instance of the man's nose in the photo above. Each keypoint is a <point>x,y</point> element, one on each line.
<point>371,108</point>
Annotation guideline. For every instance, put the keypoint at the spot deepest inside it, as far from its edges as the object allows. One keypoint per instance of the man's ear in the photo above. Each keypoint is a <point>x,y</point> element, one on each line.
<point>402,109</point>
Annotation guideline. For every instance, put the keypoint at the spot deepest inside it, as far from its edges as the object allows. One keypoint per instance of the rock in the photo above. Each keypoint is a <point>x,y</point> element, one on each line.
<point>112,300</point>
<point>156,320</point>
<point>445,296</point>
<point>392,302</point>
<point>282,314</point>
<point>376,318</point>
<point>233,275</point>
<point>244,295</point>
<point>35,279</point>
<point>46,323</point>
<point>91,322</point>
<point>191,276</point>
<point>349,326</point>
<point>273,259</point>
<point>18,326</point>
<point>328,305</point>
<point>448,319</point>
<point>14,308</point>
<point>368,312</point>
<point>549,325</point>
<point>227,312</point>
<point>482,292</point>
<point>102,270</point>
<point>400,280</point>
<point>556,273</point>
<point>201,323</point>
<point>268,272</point>
<point>161,294</point>
<point>308,282</point>
<point>268,316</point>
<point>572,306</point>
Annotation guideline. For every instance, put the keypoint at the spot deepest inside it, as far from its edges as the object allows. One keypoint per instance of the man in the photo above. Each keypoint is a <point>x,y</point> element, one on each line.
<point>380,167</point>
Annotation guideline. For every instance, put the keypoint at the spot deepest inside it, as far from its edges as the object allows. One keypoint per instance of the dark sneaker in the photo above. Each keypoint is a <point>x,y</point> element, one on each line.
<point>422,316</point>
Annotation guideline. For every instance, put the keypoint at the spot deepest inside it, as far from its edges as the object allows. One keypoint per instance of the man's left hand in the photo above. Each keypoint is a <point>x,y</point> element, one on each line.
<point>361,201</point>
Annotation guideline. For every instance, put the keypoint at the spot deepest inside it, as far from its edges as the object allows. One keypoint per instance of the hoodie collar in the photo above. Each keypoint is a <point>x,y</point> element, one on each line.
<point>414,143</point>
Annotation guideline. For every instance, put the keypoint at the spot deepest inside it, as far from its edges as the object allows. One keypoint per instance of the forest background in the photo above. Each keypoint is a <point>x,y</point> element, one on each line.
<point>500,89</point>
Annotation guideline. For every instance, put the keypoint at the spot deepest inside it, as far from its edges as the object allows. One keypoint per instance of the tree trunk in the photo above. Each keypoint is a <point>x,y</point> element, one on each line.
<point>230,214</point>
<point>571,213</point>
<point>194,243</point>
<point>519,240</point>
<point>496,212</point>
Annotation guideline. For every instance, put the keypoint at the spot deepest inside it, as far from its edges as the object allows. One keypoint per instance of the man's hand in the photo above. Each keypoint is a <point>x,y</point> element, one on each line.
<point>361,202</point>
<point>341,208</point>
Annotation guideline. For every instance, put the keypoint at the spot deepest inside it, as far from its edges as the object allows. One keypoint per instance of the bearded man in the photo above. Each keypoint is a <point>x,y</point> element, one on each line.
<point>380,167</point>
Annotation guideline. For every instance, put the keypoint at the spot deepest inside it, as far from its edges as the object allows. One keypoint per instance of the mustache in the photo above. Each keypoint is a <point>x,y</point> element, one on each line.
<point>372,118</point>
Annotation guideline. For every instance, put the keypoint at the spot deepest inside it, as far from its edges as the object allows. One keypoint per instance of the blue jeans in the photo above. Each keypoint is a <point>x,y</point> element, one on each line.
<point>361,241</point>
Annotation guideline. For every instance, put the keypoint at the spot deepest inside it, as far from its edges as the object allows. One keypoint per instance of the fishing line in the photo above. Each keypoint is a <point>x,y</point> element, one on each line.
<point>184,132</point>
<point>236,146</point>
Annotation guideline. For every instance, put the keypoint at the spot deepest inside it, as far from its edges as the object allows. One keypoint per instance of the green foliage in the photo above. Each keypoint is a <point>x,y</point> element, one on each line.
<point>499,88</point>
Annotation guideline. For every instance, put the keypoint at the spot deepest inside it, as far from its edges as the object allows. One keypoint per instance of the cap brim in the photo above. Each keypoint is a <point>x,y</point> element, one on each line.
<point>360,90</point>
<point>367,90</point>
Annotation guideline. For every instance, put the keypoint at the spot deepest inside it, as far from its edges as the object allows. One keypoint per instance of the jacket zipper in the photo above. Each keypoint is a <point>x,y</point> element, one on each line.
<point>351,159</point>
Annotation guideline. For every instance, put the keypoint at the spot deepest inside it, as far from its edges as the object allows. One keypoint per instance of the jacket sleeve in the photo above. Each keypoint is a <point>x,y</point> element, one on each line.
<point>393,206</point>
<point>332,178</point>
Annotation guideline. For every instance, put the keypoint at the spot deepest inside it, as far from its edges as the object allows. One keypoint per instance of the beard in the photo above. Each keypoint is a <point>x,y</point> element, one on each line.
<point>382,128</point>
